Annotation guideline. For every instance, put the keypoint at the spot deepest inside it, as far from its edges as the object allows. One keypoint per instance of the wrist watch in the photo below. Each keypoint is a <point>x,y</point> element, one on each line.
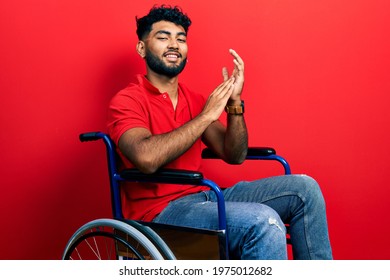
<point>235,109</point>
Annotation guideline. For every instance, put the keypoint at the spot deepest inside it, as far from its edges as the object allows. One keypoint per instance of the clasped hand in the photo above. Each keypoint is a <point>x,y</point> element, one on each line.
<point>229,91</point>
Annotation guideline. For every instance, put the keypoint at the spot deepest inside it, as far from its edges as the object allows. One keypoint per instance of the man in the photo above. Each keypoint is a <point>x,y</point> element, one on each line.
<point>158,122</point>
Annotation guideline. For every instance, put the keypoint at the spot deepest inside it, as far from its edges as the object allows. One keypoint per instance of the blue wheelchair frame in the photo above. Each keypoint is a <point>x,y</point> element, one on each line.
<point>170,176</point>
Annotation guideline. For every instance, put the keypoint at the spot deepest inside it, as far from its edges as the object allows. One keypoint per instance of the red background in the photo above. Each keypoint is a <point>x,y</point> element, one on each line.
<point>317,81</point>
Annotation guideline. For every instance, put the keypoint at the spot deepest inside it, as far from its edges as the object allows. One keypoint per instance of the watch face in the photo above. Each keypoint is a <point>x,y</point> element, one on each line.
<point>235,110</point>
<point>239,110</point>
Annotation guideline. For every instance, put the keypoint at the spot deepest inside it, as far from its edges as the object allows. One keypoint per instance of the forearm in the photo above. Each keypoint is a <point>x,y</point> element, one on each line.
<point>150,152</point>
<point>236,139</point>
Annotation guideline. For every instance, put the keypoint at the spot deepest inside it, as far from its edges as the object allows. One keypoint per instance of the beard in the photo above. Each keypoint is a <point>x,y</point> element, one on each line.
<point>157,65</point>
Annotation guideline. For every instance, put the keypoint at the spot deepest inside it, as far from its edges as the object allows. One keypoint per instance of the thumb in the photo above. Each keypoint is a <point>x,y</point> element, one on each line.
<point>225,74</point>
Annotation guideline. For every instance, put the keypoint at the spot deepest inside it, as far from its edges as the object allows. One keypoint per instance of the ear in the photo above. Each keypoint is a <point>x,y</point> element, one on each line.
<point>141,48</point>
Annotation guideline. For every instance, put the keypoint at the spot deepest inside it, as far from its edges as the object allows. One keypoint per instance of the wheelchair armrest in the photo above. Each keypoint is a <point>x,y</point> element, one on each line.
<point>260,151</point>
<point>90,136</point>
<point>169,176</point>
<point>252,152</point>
<point>255,153</point>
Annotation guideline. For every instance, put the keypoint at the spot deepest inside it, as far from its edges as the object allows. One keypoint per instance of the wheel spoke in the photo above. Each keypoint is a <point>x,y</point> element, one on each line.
<point>89,245</point>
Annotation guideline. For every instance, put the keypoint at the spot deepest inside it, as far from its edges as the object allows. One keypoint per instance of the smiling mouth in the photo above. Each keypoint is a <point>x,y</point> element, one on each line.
<point>172,56</point>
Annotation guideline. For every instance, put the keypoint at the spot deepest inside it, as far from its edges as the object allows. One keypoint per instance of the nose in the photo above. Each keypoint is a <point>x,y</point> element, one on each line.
<point>173,44</point>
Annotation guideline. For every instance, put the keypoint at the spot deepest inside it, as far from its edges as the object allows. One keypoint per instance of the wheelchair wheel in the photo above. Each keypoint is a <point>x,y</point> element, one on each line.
<point>108,239</point>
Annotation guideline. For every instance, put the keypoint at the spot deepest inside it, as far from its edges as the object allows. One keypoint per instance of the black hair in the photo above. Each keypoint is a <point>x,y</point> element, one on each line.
<point>159,13</point>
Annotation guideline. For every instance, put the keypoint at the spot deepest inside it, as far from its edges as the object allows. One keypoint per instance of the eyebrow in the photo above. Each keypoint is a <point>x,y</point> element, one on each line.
<point>169,33</point>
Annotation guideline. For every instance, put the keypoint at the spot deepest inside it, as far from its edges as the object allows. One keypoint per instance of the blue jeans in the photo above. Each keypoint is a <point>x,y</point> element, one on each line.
<point>256,213</point>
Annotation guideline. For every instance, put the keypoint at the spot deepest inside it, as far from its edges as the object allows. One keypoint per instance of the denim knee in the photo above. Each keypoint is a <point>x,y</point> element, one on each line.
<point>245,215</point>
<point>256,232</point>
<point>310,190</point>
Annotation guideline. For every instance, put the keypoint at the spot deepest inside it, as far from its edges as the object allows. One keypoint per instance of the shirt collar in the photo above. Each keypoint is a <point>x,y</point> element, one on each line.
<point>146,84</point>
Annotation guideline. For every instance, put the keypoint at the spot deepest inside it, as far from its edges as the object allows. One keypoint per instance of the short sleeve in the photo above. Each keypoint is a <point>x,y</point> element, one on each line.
<point>127,109</point>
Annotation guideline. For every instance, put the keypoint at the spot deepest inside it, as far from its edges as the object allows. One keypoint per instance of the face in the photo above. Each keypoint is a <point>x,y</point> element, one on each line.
<point>165,49</point>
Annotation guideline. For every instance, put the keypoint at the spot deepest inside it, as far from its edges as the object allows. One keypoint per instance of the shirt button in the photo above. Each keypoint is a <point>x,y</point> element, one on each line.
<point>164,96</point>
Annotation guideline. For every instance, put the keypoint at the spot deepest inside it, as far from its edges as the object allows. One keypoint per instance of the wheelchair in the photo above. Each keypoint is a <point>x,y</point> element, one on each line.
<point>121,239</point>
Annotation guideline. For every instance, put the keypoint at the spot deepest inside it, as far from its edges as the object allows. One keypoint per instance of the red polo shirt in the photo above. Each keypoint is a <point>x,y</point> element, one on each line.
<point>142,105</point>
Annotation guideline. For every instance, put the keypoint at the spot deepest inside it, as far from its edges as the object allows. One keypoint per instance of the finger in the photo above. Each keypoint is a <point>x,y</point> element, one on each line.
<point>227,89</point>
<point>236,56</point>
<point>235,71</point>
<point>223,87</point>
<point>224,94</point>
<point>228,93</point>
<point>225,74</point>
<point>238,70</point>
<point>238,66</point>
